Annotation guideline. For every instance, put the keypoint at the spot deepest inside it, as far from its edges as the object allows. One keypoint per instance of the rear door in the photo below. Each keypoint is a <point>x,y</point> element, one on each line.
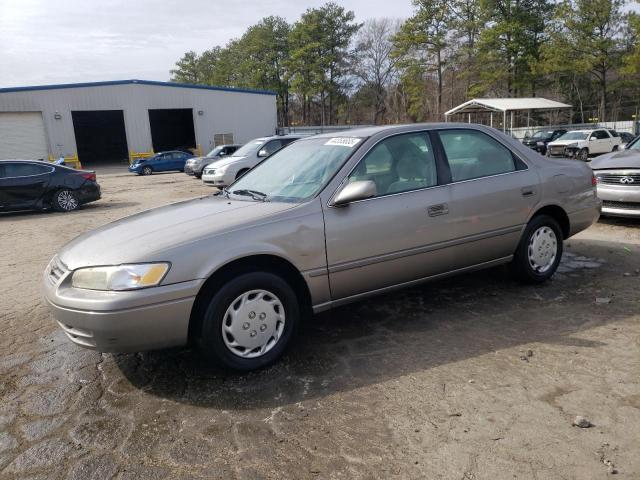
<point>492,195</point>
<point>22,185</point>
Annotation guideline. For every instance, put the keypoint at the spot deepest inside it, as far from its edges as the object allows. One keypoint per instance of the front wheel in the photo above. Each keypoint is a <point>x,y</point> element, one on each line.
<point>250,321</point>
<point>583,155</point>
<point>540,250</point>
<point>65,201</point>
<point>147,171</point>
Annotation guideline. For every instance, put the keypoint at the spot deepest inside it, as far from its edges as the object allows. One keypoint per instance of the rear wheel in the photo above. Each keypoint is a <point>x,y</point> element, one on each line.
<point>147,170</point>
<point>540,250</point>
<point>65,201</point>
<point>250,321</point>
<point>583,154</point>
<point>615,148</point>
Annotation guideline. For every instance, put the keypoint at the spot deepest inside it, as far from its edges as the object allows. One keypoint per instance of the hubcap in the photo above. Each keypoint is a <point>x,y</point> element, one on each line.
<point>67,200</point>
<point>543,248</point>
<point>253,324</point>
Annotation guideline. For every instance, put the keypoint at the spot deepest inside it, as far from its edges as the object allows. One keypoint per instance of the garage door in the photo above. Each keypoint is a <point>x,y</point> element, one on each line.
<point>22,136</point>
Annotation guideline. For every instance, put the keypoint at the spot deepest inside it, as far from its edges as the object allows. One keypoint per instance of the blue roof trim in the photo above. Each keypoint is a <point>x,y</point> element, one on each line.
<point>138,82</point>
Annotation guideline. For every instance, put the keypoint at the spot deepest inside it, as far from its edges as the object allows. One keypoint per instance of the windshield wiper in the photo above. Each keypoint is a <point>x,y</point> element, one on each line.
<point>255,194</point>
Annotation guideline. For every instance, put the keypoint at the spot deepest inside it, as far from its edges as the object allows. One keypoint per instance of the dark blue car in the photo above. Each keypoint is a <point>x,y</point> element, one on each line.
<point>160,162</point>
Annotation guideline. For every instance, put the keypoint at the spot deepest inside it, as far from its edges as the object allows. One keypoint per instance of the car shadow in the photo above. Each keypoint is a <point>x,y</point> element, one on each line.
<point>401,333</point>
<point>620,221</point>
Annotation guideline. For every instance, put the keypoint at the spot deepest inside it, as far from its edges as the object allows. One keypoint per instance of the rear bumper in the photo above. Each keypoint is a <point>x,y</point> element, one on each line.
<point>89,193</point>
<point>583,219</point>
<point>128,321</point>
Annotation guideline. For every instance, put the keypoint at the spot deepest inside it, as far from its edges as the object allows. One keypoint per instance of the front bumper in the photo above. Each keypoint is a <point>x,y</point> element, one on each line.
<point>620,200</point>
<point>136,169</point>
<point>218,179</point>
<point>129,321</point>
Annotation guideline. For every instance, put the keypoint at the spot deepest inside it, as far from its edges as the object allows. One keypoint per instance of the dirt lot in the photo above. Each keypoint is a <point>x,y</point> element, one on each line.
<point>475,377</point>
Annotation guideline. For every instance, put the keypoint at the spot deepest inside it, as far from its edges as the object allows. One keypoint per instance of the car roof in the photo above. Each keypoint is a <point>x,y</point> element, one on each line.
<point>14,160</point>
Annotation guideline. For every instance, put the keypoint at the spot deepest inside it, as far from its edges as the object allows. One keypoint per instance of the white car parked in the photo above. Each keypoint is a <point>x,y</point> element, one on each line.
<point>226,171</point>
<point>582,143</point>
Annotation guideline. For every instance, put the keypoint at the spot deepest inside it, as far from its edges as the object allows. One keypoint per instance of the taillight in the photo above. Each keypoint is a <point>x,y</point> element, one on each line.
<point>88,176</point>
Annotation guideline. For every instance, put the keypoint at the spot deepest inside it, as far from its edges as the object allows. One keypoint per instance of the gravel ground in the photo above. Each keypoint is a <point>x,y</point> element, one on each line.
<point>474,377</point>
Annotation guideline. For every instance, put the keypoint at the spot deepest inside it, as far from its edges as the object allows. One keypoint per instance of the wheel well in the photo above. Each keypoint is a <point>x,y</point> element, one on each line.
<point>559,215</point>
<point>269,263</point>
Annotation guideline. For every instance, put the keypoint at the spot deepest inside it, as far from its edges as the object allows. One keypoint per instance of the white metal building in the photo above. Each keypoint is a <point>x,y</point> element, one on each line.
<point>111,121</point>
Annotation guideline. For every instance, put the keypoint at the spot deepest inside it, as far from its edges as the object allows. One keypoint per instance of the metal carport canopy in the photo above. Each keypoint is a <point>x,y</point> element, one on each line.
<point>505,105</point>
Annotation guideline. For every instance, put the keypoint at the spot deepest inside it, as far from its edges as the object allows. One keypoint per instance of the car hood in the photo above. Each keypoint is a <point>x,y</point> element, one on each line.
<point>226,161</point>
<point>621,159</point>
<point>149,235</point>
<point>564,142</point>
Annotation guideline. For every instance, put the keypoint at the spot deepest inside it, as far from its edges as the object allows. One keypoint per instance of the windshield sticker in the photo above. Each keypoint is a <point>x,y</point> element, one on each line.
<point>344,141</point>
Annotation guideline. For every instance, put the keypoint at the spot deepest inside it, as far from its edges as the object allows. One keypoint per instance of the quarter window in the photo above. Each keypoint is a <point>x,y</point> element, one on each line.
<point>473,154</point>
<point>399,164</point>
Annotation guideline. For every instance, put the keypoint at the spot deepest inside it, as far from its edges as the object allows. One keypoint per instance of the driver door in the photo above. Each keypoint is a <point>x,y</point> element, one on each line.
<point>400,234</point>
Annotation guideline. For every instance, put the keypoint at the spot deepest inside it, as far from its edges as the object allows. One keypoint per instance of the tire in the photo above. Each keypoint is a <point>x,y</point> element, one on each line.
<point>197,175</point>
<point>65,201</point>
<point>583,154</point>
<point>544,235</point>
<point>615,148</point>
<point>241,173</point>
<point>147,171</point>
<point>226,322</point>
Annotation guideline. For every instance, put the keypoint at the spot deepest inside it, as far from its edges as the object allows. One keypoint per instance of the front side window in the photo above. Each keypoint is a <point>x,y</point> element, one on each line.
<point>399,164</point>
<point>296,173</point>
<point>272,146</point>
<point>473,154</point>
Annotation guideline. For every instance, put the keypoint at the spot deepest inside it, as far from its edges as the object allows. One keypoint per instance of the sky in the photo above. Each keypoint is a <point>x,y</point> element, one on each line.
<point>54,41</point>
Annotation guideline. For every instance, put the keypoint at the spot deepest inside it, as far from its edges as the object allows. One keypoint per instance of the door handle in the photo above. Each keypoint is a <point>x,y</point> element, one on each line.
<point>439,209</point>
<point>528,191</point>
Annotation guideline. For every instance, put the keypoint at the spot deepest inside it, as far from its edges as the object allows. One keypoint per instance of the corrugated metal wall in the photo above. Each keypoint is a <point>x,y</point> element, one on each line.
<point>246,115</point>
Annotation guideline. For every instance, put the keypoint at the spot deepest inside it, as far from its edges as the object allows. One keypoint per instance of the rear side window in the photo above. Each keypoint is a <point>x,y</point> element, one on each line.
<point>25,170</point>
<point>473,154</point>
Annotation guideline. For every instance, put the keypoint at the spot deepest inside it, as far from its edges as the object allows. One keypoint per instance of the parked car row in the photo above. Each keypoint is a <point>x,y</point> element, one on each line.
<point>578,144</point>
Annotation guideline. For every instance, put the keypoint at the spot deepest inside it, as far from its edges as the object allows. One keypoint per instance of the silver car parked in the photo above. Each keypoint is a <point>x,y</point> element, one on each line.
<point>618,176</point>
<point>325,221</point>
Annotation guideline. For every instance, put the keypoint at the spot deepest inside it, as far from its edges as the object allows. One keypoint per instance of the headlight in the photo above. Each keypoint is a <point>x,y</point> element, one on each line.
<point>121,277</point>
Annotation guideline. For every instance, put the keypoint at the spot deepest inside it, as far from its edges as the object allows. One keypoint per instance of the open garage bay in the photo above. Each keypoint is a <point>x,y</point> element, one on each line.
<point>475,377</point>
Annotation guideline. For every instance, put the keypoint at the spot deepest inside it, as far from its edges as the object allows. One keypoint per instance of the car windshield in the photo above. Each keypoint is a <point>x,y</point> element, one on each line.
<point>634,146</point>
<point>214,152</point>
<point>249,148</point>
<point>297,172</point>
<point>574,136</point>
<point>543,134</point>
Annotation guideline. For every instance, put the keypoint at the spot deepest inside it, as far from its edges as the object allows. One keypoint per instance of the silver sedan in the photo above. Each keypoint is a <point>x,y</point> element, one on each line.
<point>618,176</point>
<point>328,220</point>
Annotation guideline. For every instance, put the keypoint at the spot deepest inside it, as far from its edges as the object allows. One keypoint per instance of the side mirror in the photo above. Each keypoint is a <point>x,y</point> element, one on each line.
<point>221,154</point>
<point>591,139</point>
<point>355,191</point>
<point>263,153</point>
